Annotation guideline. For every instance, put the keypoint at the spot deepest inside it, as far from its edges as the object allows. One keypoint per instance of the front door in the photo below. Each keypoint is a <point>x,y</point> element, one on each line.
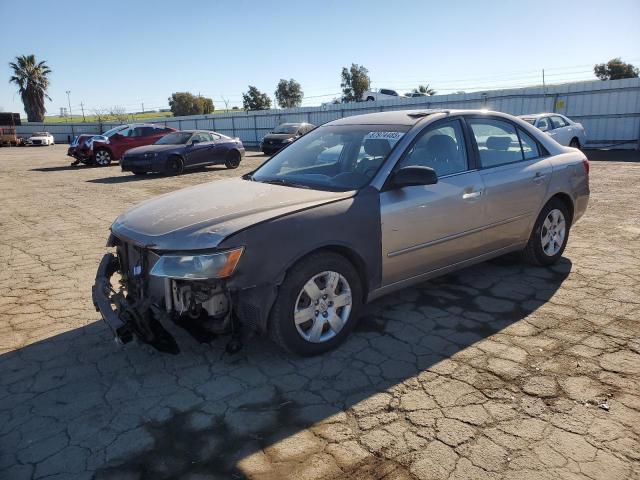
<point>515,172</point>
<point>426,228</point>
<point>199,150</point>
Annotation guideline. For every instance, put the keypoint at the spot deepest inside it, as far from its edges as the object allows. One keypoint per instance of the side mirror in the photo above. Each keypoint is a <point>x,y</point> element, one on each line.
<point>413,175</point>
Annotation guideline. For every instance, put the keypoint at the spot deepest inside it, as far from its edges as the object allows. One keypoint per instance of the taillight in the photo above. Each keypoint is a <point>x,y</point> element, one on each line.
<point>585,164</point>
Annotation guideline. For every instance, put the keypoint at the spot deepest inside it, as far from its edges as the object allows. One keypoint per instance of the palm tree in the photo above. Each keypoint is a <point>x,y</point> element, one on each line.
<point>425,89</point>
<point>33,80</point>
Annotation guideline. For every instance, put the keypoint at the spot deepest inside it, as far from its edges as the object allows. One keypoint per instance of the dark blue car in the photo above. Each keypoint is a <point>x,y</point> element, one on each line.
<point>181,150</point>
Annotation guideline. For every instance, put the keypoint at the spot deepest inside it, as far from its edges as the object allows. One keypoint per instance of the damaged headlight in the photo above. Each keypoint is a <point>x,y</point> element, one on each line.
<point>198,267</point>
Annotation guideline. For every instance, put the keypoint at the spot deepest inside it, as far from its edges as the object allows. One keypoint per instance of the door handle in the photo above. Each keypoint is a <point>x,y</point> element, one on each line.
<point>471,195</point>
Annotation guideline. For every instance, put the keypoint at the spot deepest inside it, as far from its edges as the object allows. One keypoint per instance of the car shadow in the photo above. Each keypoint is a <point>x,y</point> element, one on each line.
<point>143,414</point>
<point>61,168</point>
<point>130,177</point>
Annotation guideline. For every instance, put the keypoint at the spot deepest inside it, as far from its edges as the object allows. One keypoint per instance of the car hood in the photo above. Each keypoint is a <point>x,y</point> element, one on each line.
<point>152,148</point>
<point>40,137</point>
<point>279,136</point>
<point>200,217</point>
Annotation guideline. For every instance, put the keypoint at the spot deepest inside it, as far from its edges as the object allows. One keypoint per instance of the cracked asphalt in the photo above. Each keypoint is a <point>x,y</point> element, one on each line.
<point>500,371</point>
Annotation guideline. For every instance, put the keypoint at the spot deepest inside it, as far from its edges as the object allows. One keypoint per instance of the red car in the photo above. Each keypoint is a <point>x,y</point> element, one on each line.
<point>111,145</point>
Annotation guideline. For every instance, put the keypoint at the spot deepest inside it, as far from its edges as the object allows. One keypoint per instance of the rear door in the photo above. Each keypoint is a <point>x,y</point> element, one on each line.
<point>562,129</point>
<point>515,171</point>
<point>426,228</point>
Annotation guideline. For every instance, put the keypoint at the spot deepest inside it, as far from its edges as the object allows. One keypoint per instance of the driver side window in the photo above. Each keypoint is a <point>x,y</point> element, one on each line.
<point>441,148</point>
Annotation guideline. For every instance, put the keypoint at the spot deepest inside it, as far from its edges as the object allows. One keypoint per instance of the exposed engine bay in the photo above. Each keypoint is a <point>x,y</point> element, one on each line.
<point>143,302</point>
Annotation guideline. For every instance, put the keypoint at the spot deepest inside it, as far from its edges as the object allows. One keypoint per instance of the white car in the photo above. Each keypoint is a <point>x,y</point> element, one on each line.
<point>381,94</point>
<point>562,129</point>
<point>41,138</point>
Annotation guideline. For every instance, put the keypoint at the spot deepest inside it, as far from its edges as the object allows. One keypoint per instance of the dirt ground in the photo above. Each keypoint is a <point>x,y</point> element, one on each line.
<point>498,371</point>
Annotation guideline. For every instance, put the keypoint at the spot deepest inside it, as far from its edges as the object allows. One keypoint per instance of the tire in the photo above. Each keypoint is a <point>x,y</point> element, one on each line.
<point>309,337</point>
<point>549,236</point>
<point>102,157</point>
<point>575,143</point>
<point>175,166</point>
<point>232,160</point>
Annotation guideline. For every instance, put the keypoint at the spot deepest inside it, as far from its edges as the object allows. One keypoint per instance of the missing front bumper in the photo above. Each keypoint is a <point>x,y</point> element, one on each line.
<point>125,318</point>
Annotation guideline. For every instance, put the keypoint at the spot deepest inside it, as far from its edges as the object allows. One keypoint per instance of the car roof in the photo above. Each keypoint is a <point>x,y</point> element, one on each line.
<point>538,115</point>
<point>395,117</point>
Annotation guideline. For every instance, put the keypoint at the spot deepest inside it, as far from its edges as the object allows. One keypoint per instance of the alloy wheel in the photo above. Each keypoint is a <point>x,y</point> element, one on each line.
<point>103,158</point>
<point>553,231</point>
<point>322,307</point>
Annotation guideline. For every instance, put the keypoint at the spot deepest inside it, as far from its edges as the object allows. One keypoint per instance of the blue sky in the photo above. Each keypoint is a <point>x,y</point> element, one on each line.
<point>129,52</point>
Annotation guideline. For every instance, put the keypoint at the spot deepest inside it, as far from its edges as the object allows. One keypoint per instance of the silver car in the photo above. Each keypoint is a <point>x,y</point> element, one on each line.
<point>356,209</point>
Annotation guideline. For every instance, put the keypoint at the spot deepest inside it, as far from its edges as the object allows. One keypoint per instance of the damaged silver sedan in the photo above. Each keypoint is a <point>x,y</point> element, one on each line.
<point>358,208</point>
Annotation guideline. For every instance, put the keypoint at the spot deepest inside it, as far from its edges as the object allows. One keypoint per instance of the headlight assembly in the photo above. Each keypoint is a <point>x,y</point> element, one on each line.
<point>198,267</point>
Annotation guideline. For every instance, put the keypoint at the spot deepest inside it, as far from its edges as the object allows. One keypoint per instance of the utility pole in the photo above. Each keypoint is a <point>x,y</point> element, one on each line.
<point>142,107</point>
<point>544,88</point>
<point>82,108</point>
<point>70,114</point>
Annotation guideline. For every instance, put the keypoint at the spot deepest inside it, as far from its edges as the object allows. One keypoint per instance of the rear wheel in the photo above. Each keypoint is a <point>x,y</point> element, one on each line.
<point>102,157</point>
<point>317,304</point>
<point>175,166</point>
<point>550,234</point>
<point>575,143</point>
<point>232,160</point>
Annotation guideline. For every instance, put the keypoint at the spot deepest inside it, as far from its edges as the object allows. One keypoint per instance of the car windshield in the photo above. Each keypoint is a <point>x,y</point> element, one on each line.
<point>40,134</point>
<point>177,138</point>
<point>532,121</point>
<point>286,129</point>
<point>113,131</point>
<point>341,157</point>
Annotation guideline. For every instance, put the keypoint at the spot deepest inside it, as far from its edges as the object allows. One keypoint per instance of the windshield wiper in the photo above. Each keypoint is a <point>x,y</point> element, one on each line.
<point>286,183</point>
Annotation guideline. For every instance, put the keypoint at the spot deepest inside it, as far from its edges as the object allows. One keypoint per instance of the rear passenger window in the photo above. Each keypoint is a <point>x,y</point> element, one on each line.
<point>441,148</point>
<point>543,124</point>
<point>529,145</point>
<point>498,143</point>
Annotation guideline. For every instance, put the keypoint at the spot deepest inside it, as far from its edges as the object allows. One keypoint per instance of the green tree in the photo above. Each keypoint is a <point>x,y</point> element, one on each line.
<point>425,89</point>
<point>207,105</point>
<point>355,81</point>
<point>289,93</point>
<point>32,79</point>
<point>615,69</point>
<point>185,103</point>
<point>254,99</point>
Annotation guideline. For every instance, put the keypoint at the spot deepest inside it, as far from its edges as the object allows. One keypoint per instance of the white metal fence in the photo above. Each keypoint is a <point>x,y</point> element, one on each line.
<point>609,111</point>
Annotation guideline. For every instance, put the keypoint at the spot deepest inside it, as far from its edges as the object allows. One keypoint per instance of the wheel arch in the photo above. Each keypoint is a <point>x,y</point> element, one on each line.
<point>566,199</point>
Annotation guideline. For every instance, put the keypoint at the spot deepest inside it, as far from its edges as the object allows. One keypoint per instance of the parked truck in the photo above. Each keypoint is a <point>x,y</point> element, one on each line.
<point>8,123</point>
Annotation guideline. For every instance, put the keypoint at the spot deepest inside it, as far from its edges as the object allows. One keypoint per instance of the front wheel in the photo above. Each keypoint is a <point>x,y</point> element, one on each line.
<point>549,236</point>
<point>232,160</point>
<point>317,304</point>
<point>103,157</point>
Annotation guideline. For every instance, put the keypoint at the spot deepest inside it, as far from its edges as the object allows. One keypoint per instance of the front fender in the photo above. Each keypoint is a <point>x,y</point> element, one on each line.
<point>272,247</point>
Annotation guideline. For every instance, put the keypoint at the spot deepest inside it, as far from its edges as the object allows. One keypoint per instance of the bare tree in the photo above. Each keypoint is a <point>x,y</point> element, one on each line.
<point>102,115</point>
<point>119,114</point>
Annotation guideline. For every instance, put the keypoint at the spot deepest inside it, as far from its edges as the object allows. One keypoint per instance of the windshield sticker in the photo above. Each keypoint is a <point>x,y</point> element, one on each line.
<point>391,136</point>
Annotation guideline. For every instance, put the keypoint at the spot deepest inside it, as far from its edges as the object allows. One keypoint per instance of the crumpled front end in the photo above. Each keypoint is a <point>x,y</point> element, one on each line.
<point>135,303</point>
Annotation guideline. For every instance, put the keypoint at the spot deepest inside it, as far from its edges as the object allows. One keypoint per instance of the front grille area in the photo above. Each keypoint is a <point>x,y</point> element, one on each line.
<point>36,142</point>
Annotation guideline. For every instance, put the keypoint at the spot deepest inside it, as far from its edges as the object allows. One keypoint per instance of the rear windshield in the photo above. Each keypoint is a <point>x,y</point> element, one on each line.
<point>532,121</point>
<point>286,129</point>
